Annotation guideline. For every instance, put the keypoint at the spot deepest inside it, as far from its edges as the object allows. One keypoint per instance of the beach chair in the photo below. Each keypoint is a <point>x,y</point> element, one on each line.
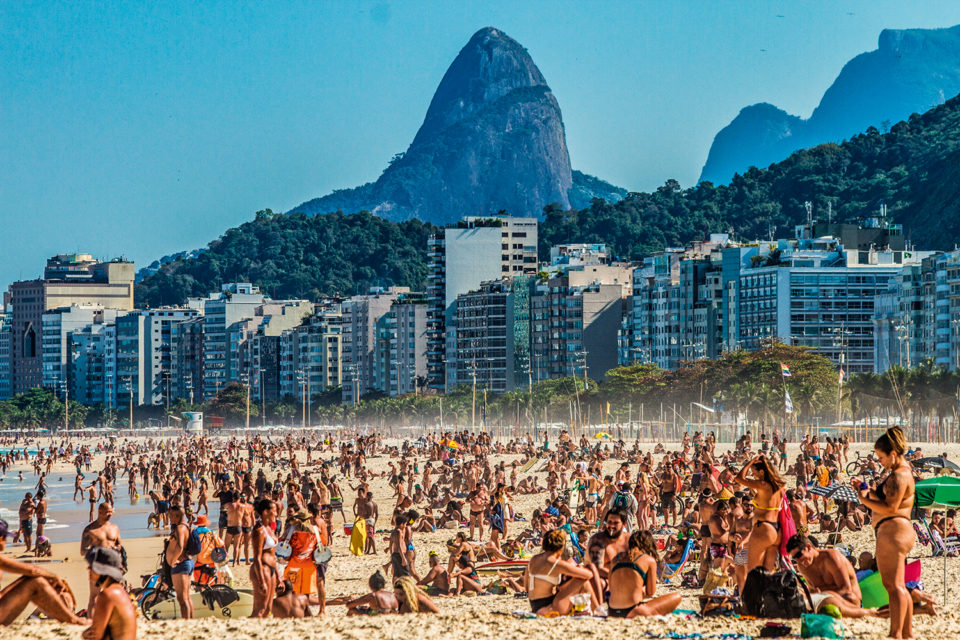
<point>673,570</point>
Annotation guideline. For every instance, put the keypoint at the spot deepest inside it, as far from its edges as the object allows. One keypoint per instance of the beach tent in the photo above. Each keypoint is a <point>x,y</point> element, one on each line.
<point>938,492</point>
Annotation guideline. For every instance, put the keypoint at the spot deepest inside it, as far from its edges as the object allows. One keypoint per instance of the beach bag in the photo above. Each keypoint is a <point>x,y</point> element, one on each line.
<point>715,606</point>
<point>813,625</point>
<point>778,594</point>
<point>716,579</point>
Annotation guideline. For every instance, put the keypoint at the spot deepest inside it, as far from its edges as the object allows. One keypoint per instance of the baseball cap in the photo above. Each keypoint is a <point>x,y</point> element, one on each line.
<point>105,562</point>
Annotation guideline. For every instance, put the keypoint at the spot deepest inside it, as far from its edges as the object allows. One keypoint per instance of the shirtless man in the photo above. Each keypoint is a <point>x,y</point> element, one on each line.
<point>234,532</point>
<point>115,617</point>
<point>27,510</point>
<point>611,540</point>
<point>247,520</point>
<point>398,548</point>
<point>99,533</point>
<point>181,565</point>
<point>438,577</point>
<point>92,497</point>
<point>364,507</point>
<point>720,536</point>
<point>41,512</point>
<point>830,577</point>
<point>708,505</point>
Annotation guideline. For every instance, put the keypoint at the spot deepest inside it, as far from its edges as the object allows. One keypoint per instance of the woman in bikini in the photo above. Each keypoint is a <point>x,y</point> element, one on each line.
<point>263,571</point>
<point>763,544</point>
<point>544,572</point>
<point>633,578</point>
<point>891,504</point>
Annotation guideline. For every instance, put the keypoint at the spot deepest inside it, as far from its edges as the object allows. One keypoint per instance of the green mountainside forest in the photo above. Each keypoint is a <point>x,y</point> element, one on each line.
<point>914,169</point>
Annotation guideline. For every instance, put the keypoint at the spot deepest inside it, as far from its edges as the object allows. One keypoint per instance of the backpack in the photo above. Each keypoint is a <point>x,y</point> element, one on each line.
<point>775,595</point>
<point>619,502</point>
<point>194,545</point>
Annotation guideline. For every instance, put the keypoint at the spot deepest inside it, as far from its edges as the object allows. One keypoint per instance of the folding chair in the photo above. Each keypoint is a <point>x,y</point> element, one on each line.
<point>673,570</point>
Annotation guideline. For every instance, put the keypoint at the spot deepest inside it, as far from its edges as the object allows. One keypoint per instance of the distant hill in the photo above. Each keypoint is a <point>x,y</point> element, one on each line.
<point>914,169</point>
<point>492,139</point>
<point>911,71</point>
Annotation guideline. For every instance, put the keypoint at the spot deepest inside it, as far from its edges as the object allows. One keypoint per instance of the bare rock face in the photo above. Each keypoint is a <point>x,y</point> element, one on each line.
<point>911,71</point>
<point>492,139</point>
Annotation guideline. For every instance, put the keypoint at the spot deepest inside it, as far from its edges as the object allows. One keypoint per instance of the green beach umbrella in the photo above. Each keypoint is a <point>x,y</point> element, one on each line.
<point>939,491</point>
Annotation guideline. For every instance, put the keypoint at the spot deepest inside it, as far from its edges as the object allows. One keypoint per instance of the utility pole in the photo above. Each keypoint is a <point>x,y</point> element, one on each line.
<point>263,399</point>
<point>66,405</point>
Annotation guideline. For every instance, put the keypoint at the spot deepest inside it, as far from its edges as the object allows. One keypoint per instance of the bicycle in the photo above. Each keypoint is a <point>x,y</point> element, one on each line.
<point>860,465</point>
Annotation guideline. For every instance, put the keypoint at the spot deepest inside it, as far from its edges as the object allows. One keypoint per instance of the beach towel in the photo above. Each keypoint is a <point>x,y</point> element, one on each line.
<point>788,527</point>
<point>358,537</point>
<point>496,518</point>
<point>529,464</point>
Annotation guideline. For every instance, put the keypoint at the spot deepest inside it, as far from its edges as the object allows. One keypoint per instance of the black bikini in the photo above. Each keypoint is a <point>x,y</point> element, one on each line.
<point>622,612</point>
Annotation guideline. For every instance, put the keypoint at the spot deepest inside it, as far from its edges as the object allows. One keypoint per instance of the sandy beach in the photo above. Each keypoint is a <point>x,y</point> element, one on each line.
<point>465,617</point>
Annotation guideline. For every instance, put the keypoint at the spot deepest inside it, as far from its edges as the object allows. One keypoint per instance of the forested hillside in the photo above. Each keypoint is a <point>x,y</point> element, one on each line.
<point>914,169</point>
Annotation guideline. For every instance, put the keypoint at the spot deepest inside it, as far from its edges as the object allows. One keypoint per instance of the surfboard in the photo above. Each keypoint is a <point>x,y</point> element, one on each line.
<point>502,565</point>
<point>170,610</point>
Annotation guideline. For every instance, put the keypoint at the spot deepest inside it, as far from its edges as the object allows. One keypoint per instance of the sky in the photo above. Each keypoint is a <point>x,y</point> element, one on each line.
<point>144,128</point>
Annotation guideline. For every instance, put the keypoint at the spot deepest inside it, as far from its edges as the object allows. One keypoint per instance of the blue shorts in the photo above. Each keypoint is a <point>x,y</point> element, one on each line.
<point>183,567</point>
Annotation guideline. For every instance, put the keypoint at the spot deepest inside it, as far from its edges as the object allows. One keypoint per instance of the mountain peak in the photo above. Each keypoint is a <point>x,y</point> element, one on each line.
<point>491,65</point>
<point>492,139</point>
<point>911,71</point>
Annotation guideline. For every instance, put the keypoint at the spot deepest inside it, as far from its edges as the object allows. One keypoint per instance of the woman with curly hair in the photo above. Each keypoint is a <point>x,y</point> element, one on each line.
<point>763,546</point>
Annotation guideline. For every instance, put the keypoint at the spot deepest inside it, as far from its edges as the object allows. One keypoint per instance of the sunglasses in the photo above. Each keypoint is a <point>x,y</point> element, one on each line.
<point>795,556</point>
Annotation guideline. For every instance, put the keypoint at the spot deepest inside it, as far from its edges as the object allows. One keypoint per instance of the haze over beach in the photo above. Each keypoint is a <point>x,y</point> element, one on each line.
<point>385,319</point>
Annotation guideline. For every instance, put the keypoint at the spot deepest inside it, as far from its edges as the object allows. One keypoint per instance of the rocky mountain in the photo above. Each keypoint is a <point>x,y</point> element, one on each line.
<point>492,139</point>
<point>911,71</point>
<point>914,169</point>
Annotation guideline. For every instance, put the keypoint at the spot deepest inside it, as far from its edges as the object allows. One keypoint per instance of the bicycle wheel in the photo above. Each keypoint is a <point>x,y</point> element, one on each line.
<point>154,599</point>
<point>853,468</point>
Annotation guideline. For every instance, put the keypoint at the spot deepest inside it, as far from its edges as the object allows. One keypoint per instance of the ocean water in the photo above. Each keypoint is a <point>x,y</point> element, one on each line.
<point>66,518</point>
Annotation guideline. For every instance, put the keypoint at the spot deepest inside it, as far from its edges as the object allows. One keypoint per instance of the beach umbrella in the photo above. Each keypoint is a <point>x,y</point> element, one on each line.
<point>938,463</point>
<point>603,435</point>
<point>939,491</point>
<point>842,493</point>
<point>821,491</point>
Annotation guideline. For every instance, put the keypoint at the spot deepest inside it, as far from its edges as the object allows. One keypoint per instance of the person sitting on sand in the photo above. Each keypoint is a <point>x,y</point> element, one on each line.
<point>437,580</point>
<point>114,617</point>
<point>545,572</point>
<point>634,577</point>
<point>290,604</point>
<point>465,576</point>
<point>411,598</point>
<point>379,600</point>
<point>829,575</point>
<point>45,590</point>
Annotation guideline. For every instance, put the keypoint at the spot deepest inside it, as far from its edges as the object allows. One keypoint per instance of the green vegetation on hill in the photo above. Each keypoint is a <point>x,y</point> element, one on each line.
<point>914,169</point>
<point>299,256</point>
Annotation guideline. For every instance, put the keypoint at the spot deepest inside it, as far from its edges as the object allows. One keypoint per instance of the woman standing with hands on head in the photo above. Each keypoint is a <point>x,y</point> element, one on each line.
<point>763,545</point>
<point>891,504</point>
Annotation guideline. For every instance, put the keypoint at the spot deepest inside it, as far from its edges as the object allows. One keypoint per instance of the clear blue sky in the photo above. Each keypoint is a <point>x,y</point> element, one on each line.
<point>143,128</point>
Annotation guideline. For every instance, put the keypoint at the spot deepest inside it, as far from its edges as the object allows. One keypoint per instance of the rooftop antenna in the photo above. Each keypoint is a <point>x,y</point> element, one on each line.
<point>809,207</point>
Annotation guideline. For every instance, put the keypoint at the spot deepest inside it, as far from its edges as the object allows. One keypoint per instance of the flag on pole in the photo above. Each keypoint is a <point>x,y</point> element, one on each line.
<point>787,403</point>
<point>841,377</point>
<point>785,370</point>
